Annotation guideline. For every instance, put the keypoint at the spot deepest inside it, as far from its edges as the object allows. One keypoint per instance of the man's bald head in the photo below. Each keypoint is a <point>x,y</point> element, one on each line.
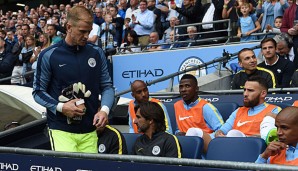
<point>139,91</point>
<point>136,83</point>
<point>287,127</point>
<point>291,113</point>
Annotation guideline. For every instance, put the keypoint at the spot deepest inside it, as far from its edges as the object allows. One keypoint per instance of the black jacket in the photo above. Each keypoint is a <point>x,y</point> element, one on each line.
<point>189,15</point>
<point>7,60</point>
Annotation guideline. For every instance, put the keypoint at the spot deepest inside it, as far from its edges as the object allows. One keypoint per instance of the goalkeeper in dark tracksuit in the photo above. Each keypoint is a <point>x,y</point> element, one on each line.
<point>71,61</point>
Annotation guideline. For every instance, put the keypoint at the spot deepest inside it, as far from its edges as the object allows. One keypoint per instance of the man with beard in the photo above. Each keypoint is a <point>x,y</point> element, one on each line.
<point>248,61</point>
<point>140,92</point>
<point>194,115</point>
<point>284,151</point>
<point>155,141</point>
<point>246,120</point>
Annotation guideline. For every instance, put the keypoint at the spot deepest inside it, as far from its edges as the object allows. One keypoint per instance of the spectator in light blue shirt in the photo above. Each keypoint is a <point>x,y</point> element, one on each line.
<point>143,23</point>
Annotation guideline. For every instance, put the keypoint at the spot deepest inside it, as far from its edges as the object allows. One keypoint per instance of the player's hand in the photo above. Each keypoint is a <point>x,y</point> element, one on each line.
<point>273,148</point>
<point>100,119</point>
<point>219,133</point>
<point>70,109</point>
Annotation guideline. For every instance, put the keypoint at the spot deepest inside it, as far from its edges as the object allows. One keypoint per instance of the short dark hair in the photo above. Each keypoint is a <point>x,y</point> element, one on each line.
<point>241,51</point>
<point>52,25</point>
<point>113,6</point>
<point>189,76</point>
<point>26,25</point>
<point>268,39</point>
<point>278,17</point>
<point>260,80</point>
<point>42,19</point>
<point>151,110</point>
<point>143,1</point>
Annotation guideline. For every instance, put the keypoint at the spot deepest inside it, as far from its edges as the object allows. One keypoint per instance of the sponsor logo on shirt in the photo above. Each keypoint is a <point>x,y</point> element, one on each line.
<point>239,123</point>
<point>185,117</point>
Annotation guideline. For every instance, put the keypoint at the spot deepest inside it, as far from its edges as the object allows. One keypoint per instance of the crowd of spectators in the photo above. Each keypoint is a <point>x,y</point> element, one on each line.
<point>145,25</point>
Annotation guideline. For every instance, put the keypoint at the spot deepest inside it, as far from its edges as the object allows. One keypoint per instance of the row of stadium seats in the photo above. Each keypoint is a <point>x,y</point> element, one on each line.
<point>240,149</point>
<point>225,109</point>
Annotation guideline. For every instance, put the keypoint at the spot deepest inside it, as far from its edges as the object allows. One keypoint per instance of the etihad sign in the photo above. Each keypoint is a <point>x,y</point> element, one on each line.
<point>44,168</point>
<point>9,166</point>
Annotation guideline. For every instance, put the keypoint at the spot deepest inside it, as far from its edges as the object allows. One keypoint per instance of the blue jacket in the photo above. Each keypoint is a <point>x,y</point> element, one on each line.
<point>61,65</point>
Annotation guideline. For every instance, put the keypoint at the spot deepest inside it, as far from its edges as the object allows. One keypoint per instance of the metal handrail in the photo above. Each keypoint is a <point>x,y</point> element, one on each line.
<point>225,58</point>
<point>228,30</point>
<point>16,76</point>
<point>151,160</point>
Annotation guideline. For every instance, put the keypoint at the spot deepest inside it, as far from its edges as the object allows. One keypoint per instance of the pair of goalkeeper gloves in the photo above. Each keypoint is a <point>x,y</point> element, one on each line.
<point>75,91</point>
